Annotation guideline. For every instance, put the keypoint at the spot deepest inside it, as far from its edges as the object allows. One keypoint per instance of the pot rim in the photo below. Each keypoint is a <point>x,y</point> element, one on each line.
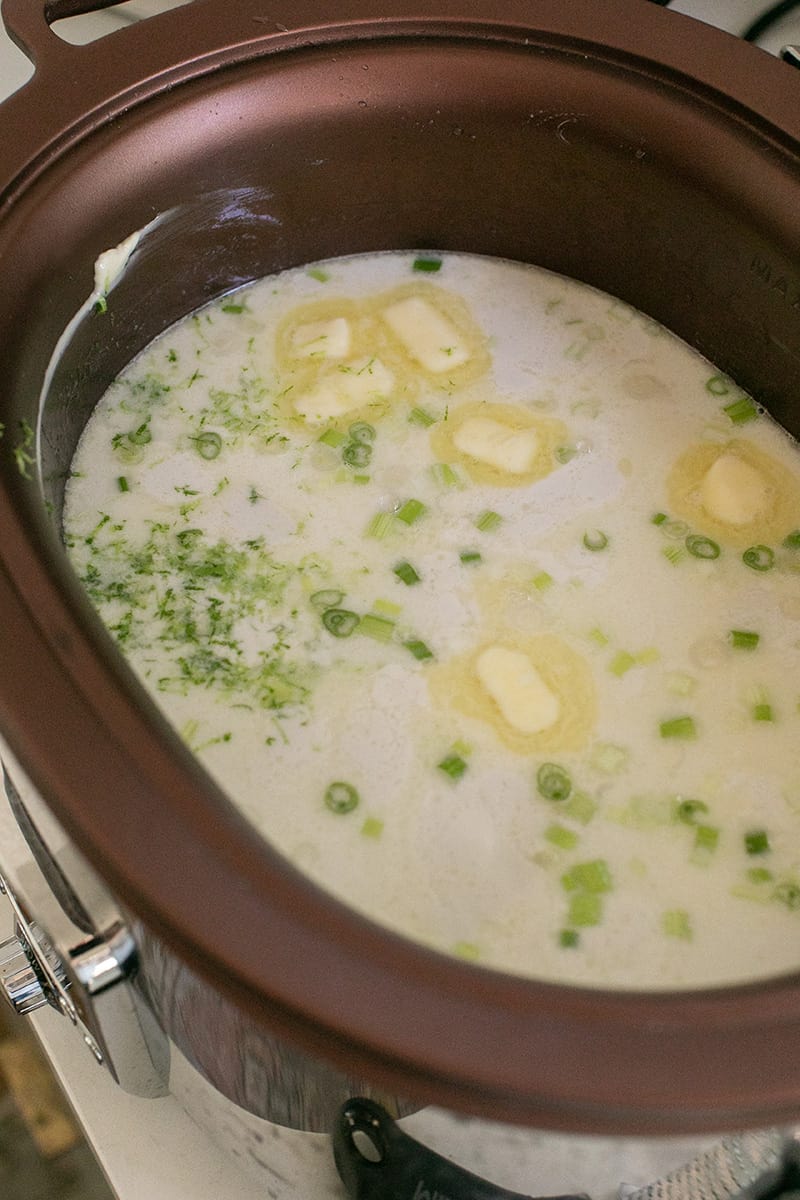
<point>290,955</point>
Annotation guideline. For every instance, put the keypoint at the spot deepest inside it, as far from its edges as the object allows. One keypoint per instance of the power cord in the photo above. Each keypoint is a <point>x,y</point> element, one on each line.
<point>768,19</point>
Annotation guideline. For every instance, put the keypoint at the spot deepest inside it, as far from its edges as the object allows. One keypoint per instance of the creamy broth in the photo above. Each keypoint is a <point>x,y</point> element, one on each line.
<point>479,594</point>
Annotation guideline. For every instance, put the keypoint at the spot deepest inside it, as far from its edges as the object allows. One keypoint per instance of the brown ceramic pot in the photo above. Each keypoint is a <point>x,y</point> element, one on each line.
<point>610,140</point>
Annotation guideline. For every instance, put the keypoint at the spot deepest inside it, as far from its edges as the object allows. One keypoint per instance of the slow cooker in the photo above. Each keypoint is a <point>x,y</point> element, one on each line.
<point>595,139</point>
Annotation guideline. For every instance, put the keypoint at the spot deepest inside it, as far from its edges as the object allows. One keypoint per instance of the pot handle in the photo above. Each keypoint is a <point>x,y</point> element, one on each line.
<point>28,24</point>
<point>377,1161</point>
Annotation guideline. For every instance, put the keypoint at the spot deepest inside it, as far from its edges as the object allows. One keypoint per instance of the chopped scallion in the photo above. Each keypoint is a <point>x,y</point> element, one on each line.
<point>387,608</point>
<point>742,410</point>
<point>363,433</point>
<point>357,454</point>
<point>559,835</point>
<point>702,547</point>
<point>743,639</point>
<point>579,807</point>
<point>542,581</point>
<point>759,875</point>
<point>706,837</point>
<point>427,265</point>
<point>718,385</point>
<point>406,573</point>
<point>418,649</point>
<point>470,556</point>
<point>676,923</point>
<point>759,558</point>
<point>333,437</point>
<point>792,541</point>
<point>659,518</point>
<point>122,484</point>
<point>569,939</point>
<point>418,416</point>
<point>327,598</point>
<point>585,909</point>
<point>593,876</point>
<point>674,554</point>
<point>595,539</point>
<point>763,712</point>
<point>372,827</point>
<point>141,436</point>
<point>341,797</point>
<point>678,727</point>
<point>488,521</point>
<point>787,892</point>
<point>340,621</point>
<point>444,475</point>
<point>208,445</point>
<point>410,512</point>
<point>380,525</point>
<point>687,811</point>
<point>319,274</point>
<point>757,842</point>
<point>453,765</point>
<point>553,782</point>
<point>380,629</point>
<point>621,663</point>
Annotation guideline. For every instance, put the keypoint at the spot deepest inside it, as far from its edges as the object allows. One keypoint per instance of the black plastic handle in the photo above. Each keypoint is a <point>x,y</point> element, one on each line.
<point>377,1161</point>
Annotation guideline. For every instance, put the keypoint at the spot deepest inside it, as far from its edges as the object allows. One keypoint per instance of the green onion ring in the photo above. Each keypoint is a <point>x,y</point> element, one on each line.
<point>759,558</point>
<point>702,547</point>
<point>340,621</point>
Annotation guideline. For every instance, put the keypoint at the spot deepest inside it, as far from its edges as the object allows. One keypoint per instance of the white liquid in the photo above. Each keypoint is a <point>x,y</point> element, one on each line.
<point>474,865</point>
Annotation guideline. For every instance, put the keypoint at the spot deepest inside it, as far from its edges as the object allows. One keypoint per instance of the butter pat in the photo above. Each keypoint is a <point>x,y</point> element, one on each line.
<point>733,492</point>
<point>492,442</point>
<point>322,339</point>
<point>427,334</point>
<point>516,687</point>
<point>356,385</point>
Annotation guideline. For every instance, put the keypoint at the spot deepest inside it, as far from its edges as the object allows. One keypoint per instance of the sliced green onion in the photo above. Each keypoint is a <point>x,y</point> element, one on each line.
<point>792,542</point>
<point>621,663</point>
<point>444,475</point>
<point>141,436</point>
<point>188,537</point>
<point>360,479</point>
<point>763,712</point>
<point>608,758</point>
<point>678,727</point>
<point>488,521</point>
<point>427,265</point>
<point>659,518</point>
<point>418,649</point>
<point>471,556</point>
<point>757,842</point>
<point>674,554</point>
<point>340,621</point>
<point>598,637</point>
<point>327,598</point>
<point>702,547</point>
<point>593,876</point>
<point>406,573</point>
<point>233,308</point>
<point>372,827</point>
<point>453,765</point>
<point>706,837</point>
<point>676,923</point>
<point>380,629</point>
<point>687,811</point>
<point>680,684</point>
<point>595,539</point>
<point>759,558</point>
<point>742,410</point>
<point>585,909</point>
<point>467,950</point>
<point>553,782</point>
<point>357,454</point>
<point>559,835</point>
<point>565,454</point>
<point>676,530</point>
<point>411,511</point>
<point>122,484</point>
<point>387,608</point>
<point>542,581</point>
<point>341,797</point>
<point>580,807</point>
<point>788,893</point>
<point>743,639</point>
<point>418,416</point>
<point>208,445</point>
<point>319,274</point>
<point>363,433</point>
<point>332,437</point>
<point>717,385</point>
<point>380,525</point>
<point>759,875</point>
<point>569,938</point>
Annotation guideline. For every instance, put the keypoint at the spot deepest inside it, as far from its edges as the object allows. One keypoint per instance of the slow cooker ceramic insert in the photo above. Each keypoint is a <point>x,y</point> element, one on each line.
<point>599,140</point>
